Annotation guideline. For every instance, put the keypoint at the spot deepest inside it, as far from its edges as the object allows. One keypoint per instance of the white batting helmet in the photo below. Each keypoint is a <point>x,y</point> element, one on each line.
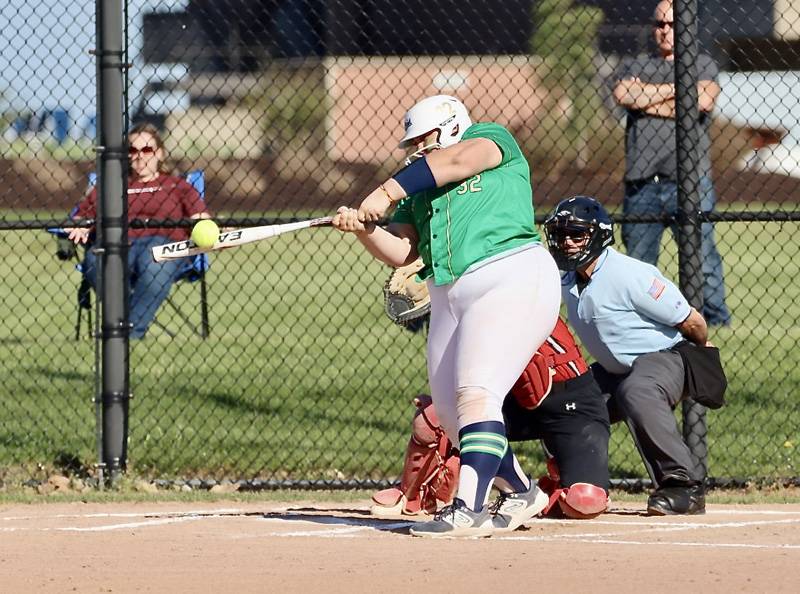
<point>443,113</point>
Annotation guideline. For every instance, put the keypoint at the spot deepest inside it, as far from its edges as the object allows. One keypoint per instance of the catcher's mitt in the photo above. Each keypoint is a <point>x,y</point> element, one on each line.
<point>406,298</point>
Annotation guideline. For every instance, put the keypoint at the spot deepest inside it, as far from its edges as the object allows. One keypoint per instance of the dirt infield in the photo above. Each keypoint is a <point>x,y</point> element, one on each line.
<point>298,547</point>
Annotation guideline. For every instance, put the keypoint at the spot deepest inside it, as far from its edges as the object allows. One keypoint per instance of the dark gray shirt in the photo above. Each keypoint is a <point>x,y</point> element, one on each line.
<point>650,141</point>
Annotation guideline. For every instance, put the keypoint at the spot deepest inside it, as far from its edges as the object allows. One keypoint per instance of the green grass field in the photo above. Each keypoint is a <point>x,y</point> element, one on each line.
<point>305,378</point>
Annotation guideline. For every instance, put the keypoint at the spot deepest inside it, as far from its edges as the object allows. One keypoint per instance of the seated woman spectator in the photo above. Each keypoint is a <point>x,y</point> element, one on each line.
<point>152,194</point>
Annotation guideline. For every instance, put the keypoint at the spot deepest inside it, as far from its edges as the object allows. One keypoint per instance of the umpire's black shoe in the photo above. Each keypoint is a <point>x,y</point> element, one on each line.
<point>677,500</point>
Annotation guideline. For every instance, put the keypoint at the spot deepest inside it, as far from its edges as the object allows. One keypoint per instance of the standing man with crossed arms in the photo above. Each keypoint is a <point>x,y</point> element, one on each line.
<point>464,205</point>
<point>645,88</point>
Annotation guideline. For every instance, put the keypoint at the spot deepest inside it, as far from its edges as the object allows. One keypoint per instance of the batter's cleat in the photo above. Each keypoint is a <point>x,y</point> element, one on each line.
<point>677,500</point>
<point>512,510</point>
<point>456,521</point>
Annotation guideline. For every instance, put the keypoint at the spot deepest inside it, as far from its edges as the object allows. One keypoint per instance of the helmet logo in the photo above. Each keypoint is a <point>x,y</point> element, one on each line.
<point>407,123</point>
<point>447,111</point>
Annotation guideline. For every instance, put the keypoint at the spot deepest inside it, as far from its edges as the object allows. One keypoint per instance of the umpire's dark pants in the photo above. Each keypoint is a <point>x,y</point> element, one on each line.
<point>645,399</point>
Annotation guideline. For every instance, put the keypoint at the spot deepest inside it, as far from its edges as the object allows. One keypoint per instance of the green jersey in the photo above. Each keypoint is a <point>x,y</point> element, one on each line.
<point>461,224</point>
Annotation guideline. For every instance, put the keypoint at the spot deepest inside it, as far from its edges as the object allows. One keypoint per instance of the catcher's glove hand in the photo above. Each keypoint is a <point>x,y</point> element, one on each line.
<point>405,297</point>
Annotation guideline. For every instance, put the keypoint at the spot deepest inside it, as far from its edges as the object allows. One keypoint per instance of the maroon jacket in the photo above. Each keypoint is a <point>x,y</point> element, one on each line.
<point>166,197</point>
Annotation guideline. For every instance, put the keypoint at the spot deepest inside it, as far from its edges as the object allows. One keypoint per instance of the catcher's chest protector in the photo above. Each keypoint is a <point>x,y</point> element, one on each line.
<point>562,354</point>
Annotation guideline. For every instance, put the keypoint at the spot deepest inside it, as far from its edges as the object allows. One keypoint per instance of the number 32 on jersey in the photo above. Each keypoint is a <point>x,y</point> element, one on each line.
<point>472,185</point>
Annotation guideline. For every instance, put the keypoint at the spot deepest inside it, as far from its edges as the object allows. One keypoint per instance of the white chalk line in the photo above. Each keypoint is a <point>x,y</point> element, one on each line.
<point>170,518</point>
<point>650,528</point>
<point>353,528</point>
<point>680,525</point>
<point>129,525</point>
<point>289,510</point>
<point>608,541</point>
<point>744,512</point>
<point>143,514</point>
<point>589,538</point>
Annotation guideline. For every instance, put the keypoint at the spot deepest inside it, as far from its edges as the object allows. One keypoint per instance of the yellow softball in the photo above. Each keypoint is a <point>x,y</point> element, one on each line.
<point>205,233</point>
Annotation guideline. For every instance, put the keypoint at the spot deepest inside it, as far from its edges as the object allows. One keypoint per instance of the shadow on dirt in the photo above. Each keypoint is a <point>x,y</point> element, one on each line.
<point>343,518</point>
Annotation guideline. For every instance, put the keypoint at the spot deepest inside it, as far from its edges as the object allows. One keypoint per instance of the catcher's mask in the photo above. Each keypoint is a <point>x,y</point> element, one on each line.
<point>443,114</point>
<point>579,216</point>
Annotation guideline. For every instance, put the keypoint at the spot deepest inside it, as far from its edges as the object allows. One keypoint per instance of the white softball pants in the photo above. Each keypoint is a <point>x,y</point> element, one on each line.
<point>484,329</point>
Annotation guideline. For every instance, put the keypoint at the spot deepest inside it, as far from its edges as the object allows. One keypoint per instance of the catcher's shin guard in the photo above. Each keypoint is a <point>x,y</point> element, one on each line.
<point>583,501</point>
<point>550,482</point>
<point>580,501</point>
<point>430,472</point>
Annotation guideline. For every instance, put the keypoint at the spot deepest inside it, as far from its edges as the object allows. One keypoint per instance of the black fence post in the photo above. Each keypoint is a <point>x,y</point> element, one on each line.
<point>695,431</point>
<point>112,236</point>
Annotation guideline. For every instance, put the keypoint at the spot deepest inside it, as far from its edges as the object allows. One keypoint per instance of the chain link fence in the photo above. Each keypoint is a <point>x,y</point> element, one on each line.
<point>279,367</point>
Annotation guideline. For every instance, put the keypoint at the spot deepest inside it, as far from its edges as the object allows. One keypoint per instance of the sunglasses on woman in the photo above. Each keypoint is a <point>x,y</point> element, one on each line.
<point>145,150</point>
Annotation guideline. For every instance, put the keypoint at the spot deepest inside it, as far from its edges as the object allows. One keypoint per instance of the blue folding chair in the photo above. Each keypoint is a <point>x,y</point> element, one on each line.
<point>192,270</point>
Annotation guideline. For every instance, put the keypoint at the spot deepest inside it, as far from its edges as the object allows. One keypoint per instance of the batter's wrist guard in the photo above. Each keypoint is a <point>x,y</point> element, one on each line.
<point>416,177</point>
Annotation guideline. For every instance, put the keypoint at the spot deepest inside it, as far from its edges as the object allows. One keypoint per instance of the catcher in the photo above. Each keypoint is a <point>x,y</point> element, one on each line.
<point>556,400</point>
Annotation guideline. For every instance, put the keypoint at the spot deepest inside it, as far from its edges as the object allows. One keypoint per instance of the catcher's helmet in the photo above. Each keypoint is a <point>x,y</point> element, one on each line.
<point>579,214</point>
<point>441,113</point>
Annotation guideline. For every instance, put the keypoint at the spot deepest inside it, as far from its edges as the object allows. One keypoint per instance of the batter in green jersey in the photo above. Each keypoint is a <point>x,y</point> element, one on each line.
<point>464,205</point>
<point>461,224</point>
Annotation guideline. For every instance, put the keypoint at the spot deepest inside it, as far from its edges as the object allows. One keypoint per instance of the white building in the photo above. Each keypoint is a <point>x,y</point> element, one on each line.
<point>768,104</point>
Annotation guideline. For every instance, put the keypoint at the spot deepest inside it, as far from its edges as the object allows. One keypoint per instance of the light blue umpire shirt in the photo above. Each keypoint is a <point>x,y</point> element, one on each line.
<point>627,309</point>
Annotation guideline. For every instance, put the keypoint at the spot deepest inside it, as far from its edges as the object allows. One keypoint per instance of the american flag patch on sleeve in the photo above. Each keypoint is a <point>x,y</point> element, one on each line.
<point>656,289</point>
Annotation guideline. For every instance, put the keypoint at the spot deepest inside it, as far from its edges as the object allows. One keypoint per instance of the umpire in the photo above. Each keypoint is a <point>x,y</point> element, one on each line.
<point>629,317</point>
